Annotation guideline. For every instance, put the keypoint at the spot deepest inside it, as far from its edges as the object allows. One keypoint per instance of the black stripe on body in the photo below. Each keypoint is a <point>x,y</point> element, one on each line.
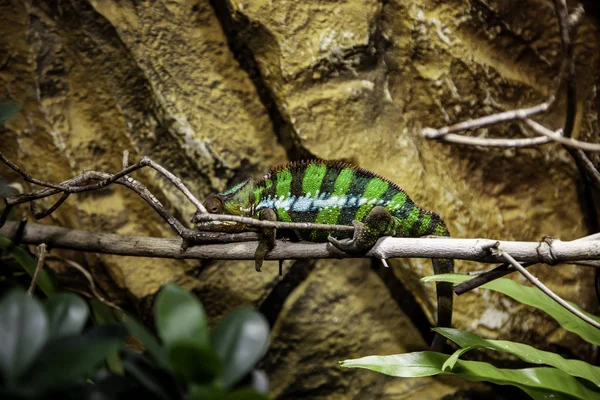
<point>357,188</point>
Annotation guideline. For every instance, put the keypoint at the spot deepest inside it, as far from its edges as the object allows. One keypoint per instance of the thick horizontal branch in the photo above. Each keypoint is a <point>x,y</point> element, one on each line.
<point>551,252</point>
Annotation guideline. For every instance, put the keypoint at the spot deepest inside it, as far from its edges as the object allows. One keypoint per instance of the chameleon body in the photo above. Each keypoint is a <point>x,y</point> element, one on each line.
<point>331,192</point>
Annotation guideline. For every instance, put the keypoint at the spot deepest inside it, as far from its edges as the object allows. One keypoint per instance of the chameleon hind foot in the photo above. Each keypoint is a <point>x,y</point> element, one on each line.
<point>349,245</point>
<point>378,223</point>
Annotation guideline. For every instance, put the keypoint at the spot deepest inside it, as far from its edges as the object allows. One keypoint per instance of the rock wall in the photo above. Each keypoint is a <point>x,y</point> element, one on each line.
<point>216,91</point>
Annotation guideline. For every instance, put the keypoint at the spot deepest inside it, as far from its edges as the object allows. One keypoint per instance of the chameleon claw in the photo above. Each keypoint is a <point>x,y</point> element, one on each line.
<point>258,265</point>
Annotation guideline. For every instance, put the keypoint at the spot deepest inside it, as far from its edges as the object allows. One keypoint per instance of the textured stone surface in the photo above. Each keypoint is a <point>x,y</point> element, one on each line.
<point>90,90</point>
<point>340,79</point>
<point>364,91</point>
<point>325,321</point>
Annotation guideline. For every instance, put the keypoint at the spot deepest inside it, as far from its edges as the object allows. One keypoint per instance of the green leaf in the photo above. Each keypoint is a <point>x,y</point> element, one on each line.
<point>180,316</point>
<point>149,341</point>
<point>69,358</point>
<point>194,362</point>
<point>451,361</point>
<point>67,314</point>
<point>525,352</point>
<point>534,297</point>
<point>539,383</point>
<point>240,339</point>
<point>23,333</point>
<point>45,279</point>
<point>8,109</point>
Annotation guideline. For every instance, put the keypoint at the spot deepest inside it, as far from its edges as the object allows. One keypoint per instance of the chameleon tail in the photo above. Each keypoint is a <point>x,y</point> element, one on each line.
<point>444,299</point>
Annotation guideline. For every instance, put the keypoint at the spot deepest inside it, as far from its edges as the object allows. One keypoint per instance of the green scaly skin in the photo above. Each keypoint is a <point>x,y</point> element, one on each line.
<point>328,192</point>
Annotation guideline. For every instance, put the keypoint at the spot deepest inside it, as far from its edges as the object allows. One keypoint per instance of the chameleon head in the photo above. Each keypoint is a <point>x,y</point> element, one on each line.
<point>237,200</point>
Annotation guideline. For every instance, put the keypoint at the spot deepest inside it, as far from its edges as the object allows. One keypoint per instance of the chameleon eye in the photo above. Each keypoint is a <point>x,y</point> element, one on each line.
<point>214,205</point>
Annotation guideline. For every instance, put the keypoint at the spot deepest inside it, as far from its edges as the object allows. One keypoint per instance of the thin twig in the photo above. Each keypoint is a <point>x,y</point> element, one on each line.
<point>546,290</point>
<point>90,280</point>
<point>38,267</point>
<point>494,119</point>
<point>495,142</point>
<point>49,211</point>
<point>558,137</point>
<point>269,224</point>
<point>177,182</point>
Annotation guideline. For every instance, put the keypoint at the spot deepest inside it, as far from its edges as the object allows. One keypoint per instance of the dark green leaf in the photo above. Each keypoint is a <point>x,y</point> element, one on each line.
<point>240,339</point>
<point>194,362</point>
<point>67,314</point>
<point>534,297</point>
<point>246,394</point>
<point>23,333</point>
<point>539,383</point>
<point>180,316</point>
<point>524,352</point>
<point>68,358</point>
<point>45,280</point>
<point>8,109</point>
<point>150,342</point>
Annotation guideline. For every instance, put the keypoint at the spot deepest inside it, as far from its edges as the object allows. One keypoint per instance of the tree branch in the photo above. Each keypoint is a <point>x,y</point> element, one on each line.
<point>553,252</point>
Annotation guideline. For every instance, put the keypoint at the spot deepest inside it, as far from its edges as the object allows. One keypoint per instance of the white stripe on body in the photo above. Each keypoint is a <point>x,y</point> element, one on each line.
<point>309,203</point>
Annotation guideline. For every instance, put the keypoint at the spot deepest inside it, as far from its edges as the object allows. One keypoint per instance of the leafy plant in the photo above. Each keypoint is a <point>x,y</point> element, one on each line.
<point>558,378</point>
<point>43,349</point>
<point>45,352</point>
<point>193,361</point>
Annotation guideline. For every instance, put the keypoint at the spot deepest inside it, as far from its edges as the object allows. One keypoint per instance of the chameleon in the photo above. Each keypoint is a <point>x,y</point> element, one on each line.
<point>333,192</point>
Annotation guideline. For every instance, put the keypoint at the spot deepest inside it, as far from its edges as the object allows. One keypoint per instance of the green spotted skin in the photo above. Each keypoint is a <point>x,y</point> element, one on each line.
<point>337,193</point>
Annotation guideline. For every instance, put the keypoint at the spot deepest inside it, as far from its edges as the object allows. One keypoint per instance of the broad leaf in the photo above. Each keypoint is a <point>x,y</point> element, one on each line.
<point>180,316</point>
<point>45,279</point>
<point>534,297</point>
<point>539,383</point>
<point>240,339</point>
<point>67,314</point>
<point>23,333</point>
<point>69,358</point>
<point>194,362</point>
<point>469,340</point>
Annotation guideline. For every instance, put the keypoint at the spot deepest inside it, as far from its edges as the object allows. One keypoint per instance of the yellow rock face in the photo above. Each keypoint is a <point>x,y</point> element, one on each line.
<point>217,91</point>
